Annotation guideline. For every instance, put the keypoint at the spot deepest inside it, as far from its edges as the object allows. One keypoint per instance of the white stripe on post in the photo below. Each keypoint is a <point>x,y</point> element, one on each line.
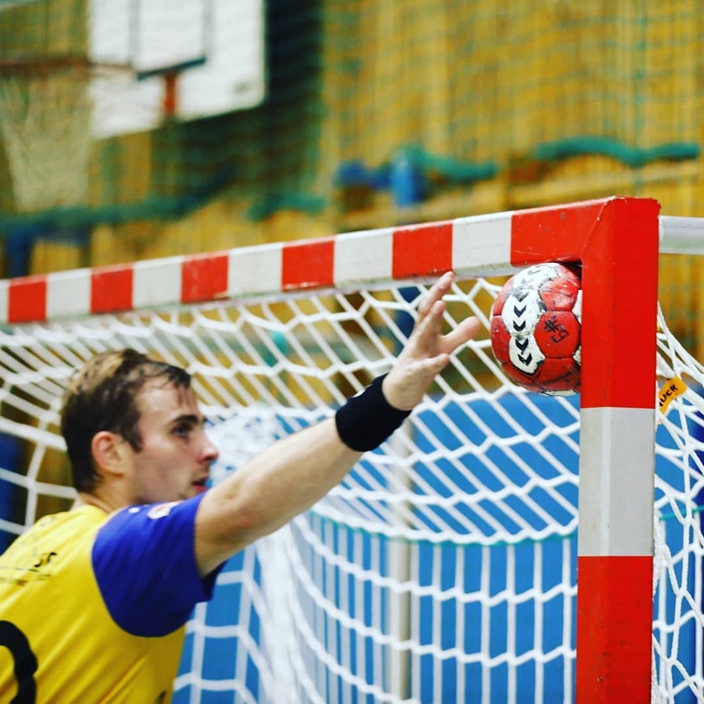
<point>482,244</point>
<point>681,235</point>
<point>363,257</point>
<point>617,475</point>
<point>68,293</point>
<point>156,282</point>
<point>4,301</point>
<point>255,270</point>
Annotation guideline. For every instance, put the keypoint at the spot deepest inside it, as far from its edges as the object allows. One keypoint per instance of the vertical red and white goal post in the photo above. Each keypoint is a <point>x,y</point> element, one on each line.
<point>52,322</point>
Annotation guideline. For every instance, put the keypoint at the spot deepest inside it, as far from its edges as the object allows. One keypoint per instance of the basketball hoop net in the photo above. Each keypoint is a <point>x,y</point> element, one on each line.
<point>45,126</point>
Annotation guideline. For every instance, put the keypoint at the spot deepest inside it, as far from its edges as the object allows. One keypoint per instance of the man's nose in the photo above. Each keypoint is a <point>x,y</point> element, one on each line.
<point>209,453</point>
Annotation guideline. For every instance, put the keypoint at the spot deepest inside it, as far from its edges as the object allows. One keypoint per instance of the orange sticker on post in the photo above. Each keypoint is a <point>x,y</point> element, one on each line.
<point>670,390</point>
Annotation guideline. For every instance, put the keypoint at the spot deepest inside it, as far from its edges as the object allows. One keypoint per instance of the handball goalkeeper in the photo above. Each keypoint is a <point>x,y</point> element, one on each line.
<point>93,601</point>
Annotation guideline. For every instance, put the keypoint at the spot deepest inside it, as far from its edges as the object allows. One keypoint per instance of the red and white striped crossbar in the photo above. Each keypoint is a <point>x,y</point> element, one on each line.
<point>617,242</point>
<point>471,246</point>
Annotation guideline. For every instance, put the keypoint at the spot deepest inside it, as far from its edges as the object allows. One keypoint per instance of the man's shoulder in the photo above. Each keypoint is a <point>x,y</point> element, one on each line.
<point>61,527</point>
<point>76,522</point>
<point>56,544</point>
<point>144,562</point>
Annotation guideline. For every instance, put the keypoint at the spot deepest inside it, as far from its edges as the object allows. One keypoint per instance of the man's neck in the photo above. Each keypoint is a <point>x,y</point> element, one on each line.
<point>85,499</point>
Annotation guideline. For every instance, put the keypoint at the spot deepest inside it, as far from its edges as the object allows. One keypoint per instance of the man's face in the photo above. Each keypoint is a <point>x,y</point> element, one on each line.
<point>176,454</point>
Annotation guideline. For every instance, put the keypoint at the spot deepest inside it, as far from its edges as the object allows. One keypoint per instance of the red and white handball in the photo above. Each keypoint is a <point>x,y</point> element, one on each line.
<point>536,323</point>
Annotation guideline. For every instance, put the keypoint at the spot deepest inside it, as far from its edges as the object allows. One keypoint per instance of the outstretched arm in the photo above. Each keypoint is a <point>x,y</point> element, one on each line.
<point>294,473</point>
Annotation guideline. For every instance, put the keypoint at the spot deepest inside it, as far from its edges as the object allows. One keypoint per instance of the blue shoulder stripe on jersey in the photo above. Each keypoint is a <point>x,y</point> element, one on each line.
<point>145,565</point>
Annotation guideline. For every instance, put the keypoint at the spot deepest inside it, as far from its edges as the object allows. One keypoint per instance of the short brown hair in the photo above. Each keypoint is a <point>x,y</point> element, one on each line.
<point>102,396</point>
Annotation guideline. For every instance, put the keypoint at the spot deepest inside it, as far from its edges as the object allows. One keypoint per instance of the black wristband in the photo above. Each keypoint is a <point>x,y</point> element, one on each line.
<point>366,420</point>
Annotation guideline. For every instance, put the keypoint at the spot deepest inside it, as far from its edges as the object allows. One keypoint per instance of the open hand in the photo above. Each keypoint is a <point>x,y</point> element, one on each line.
<point>427,350</point>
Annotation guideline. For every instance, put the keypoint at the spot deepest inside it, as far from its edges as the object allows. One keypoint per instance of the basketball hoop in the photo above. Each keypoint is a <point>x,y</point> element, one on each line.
<point>170,75</point>
<point>45,126</point>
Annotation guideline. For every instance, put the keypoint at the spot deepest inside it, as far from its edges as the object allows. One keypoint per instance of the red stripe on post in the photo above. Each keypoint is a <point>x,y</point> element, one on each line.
<point>204,277</point>
<point>614,624</point>
<point>111,289</point>
<point>27,300</point>
<point>422,250</point>
<point>619,307</point>
<point>553,234</point>
<point>308,264</point>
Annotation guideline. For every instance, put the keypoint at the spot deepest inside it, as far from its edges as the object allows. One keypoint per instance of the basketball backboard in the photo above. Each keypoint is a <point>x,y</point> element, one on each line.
<point>216,48</point>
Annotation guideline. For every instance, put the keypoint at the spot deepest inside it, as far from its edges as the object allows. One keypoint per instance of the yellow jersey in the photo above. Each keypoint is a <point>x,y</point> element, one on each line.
<point>93,608</point>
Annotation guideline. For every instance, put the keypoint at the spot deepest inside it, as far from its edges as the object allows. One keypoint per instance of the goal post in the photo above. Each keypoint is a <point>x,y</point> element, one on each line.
<point>512,588</point>
<point>617,243</point>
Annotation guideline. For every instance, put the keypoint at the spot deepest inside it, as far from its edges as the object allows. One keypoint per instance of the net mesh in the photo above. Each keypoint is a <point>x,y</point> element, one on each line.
<point>443,568</point>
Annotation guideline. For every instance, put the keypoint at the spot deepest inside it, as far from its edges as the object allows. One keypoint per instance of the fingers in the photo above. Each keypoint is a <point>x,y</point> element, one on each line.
<point>429,329</point>
<point>427,351</point>
<point>439,289</point>
<point>462,334</point>
<point>428,332</point>
<point>434,365</point>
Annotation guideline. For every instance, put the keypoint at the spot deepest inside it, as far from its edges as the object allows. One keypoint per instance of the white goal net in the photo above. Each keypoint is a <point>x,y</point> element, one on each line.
<point>443,569</point>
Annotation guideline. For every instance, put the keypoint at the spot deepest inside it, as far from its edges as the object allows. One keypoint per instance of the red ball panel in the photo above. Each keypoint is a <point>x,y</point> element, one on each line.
<point>499,339</point>
<point>560,293</point>
<point>558,333</point>
<point>559,375</point>
<point>519,378</point>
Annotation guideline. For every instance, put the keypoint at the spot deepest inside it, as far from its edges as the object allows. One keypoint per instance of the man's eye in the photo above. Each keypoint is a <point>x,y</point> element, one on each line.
<point>182,430</point>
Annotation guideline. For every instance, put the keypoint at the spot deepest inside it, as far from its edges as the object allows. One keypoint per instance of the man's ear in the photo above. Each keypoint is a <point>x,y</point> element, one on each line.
<point>110,453</point>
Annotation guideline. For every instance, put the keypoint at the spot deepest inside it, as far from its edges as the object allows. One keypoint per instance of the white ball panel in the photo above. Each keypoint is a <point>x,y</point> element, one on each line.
<point>552,392</point>
<point>535,276</point>
<point>524,353</point>
<point>577,308</point>
<point>522,311</point>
